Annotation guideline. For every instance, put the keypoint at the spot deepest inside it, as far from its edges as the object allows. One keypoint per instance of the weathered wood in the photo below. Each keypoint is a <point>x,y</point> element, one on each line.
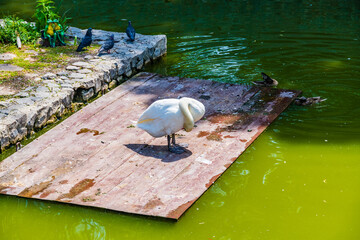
<point>96,157</point>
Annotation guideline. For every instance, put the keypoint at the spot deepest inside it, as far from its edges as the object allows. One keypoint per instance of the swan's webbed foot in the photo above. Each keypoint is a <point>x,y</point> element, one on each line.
<point>173,147</point>
<point>176,149</point>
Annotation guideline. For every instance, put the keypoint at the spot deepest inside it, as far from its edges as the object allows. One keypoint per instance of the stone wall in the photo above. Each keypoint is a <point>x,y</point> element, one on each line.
<point>34,107</point>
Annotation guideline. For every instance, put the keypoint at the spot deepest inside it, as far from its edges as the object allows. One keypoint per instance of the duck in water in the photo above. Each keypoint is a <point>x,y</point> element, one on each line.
<point>267,81</point>
<point>303,101</point>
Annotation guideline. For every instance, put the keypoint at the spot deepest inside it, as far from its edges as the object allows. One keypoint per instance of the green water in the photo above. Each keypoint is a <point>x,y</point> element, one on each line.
<point>299,180</point>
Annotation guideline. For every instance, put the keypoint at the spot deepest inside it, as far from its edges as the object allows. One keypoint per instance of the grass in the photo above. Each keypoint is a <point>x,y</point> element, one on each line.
<point>13,27</point>
<point>46,60</point>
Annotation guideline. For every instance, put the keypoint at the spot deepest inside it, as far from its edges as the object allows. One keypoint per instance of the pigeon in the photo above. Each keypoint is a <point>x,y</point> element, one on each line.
<point>130,32</point>
<point>303,101</point>
<point>109,44</point>
<point>268,81</point>
<point>86,41</point>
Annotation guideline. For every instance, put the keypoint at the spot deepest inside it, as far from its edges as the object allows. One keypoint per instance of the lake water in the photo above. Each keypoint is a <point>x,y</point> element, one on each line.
<point>299,180</point>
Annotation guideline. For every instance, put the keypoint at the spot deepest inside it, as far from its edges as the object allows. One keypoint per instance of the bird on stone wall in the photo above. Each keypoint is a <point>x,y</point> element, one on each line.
<point>86,41</point>
<point>130,32</point>
<point>108,45</point>
<point>267,81</point>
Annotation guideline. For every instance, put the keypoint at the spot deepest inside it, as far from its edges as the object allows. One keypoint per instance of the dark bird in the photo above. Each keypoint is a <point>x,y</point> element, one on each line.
<point>130,32</point>
<point>303,101</point>
<point>267,81</point>
<point>109,44</point>
<point>86,41</point>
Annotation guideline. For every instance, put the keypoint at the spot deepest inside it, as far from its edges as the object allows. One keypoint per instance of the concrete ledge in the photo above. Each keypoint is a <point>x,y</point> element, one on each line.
<point>35,107</point>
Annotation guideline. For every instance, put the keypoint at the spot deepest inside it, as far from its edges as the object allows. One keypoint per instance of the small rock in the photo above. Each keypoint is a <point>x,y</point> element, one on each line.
<point>32,52</point>
<point>42,89</point>
<point>105,87</point>
<point>157,53</point>
<point>128,73</point>
<point>66,85</point>
<point>52,120</point>
<point>14,136</point>
<point>88,57</point>
<point>49,76</point>
<point>9,67</point>
<point>6,91</point>
<point>112,84</point>
<point>86,94</point>
<point>4,112</point>
<point>41,117</point>
<point>77,75</point>
<point>28,89</point>
<point>7,56</point>
<point>95,60</point>
<point>62,73</point>
<point>64,78</point>
<point>81,64</point>
<point>31,75</point>
<point>184,145</point>
<point>72,68</point>
<point>25,101</point>
<point>84,71</point>
<point>35,99</point>
<point>22,94</point>
<point>140,64</point>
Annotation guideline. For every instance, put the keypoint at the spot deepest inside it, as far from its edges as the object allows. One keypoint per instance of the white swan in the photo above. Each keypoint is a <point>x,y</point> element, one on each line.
<point>167,116</point>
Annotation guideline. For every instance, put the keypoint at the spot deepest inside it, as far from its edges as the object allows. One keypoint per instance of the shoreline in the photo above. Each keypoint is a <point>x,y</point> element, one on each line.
<point>34,107</point>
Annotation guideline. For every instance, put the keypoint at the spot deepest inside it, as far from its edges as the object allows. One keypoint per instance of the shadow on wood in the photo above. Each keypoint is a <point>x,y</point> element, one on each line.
<point>159,152</point>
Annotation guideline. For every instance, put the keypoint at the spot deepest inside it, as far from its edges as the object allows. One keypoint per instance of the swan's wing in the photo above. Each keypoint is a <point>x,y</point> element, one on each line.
<point>145,120</point>
<point>158,109</point>
<point>150,114</point>
<point>163,117</point>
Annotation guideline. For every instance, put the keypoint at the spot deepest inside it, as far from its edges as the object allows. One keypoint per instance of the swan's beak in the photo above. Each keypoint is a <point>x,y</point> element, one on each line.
<point>188,130</point>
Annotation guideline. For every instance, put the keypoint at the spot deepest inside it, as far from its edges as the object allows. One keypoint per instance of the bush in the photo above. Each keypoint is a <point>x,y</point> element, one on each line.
<point>45,10</point>
<point>13,26</point>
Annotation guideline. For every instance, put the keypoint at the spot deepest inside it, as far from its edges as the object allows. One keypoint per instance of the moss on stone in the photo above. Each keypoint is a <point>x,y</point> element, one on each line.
<point>39,60</point>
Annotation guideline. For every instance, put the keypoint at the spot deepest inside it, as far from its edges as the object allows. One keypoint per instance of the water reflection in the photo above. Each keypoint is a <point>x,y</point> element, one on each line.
<point>86,229</point>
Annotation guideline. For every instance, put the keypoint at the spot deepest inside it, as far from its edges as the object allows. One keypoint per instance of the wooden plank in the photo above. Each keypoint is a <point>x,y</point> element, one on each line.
<point>74,120</point>
<point>80,148</point>
<point>114,166</point>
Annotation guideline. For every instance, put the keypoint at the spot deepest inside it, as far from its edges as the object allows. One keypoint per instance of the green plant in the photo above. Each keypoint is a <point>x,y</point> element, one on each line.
<point>13,26</point>
<point>45,10</point>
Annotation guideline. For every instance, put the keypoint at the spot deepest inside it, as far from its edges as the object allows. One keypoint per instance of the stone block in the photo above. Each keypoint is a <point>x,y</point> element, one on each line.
<point>37,105</point>
<point>86,94</point>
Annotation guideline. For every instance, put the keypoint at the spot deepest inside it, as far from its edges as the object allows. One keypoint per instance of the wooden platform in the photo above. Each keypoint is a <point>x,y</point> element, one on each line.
<point>97,158</point>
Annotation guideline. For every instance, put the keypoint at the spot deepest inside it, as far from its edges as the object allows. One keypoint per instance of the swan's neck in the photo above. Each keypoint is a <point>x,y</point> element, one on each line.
<point>188,118</point>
